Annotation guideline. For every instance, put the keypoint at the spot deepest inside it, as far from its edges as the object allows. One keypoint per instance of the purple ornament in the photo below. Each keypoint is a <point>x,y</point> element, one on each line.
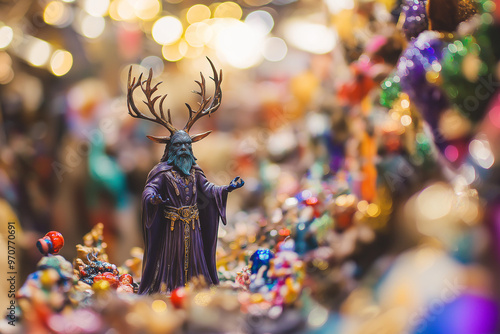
<point>467,314</point>
<point>415,18</point>
<point>421,57</point>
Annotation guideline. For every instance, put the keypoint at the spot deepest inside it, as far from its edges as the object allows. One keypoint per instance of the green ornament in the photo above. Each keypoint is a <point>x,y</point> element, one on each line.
<point>467,79</point>
<point>390,90</point>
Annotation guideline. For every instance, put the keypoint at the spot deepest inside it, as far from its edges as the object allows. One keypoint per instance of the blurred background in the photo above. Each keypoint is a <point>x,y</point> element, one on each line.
<point>72,156</point>
<point>365,130</point>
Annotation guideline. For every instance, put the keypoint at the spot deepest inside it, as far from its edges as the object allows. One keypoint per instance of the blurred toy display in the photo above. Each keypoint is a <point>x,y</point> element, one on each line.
<point>371,202</point>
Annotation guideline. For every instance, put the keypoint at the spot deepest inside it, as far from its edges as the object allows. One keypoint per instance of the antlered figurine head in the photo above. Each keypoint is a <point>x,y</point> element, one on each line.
<point>180,152</point>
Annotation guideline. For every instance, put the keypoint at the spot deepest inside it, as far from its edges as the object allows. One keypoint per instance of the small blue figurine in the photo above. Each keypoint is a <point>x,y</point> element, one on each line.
<point>180,207</point>
<point>260,258</point>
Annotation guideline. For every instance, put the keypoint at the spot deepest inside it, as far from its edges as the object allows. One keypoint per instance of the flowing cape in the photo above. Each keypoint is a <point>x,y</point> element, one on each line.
<point>211,202</point>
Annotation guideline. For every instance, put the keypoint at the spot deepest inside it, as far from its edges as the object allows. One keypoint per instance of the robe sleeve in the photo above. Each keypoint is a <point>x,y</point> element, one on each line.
<point>211,202</point>
<point>211,194</point>
<point>154,236</point>
<point>149,210</point>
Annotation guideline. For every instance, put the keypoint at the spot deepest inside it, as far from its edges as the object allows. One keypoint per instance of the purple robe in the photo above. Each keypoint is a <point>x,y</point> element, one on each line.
<point>164,253</point>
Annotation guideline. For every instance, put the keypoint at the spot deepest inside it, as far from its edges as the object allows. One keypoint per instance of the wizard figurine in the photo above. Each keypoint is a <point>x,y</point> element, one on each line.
<point>180,207</point>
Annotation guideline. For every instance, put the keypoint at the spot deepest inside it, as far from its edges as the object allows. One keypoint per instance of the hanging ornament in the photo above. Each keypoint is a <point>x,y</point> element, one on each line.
<point>390,90</point>
<point>418,70</point>
<point>415,17</point>
<point>466,75</point>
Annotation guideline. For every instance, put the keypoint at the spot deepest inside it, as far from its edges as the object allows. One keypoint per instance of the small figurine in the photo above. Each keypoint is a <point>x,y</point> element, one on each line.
<point>51,243</point>
<point>180,207</point>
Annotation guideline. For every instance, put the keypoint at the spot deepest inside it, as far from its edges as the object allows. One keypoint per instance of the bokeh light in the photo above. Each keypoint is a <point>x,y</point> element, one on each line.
<point>92,26</point>
<point>97,8</point>
<point>61,62</point>
<point>494,116</point>
<point>198,34</point>
<point>159,306</point>
<point>155,63</point>
<point>6,36</point>
<point>260,20</point>
<point>480,151</point>
<point>121,10</point>
<point>239,45</point>
<point>194,52</point>
<point>435,201</point>
<point>336,6</point>
<point>198,13</point>
<point>58,14</point>
<point>317,317</point>
<point>167,30</point>
<point>228,9</point>
<point>406,120</point>
<point>311,37</point>
<point>451,153</point>
<point>275,49</point>
<point>147,9</point>
<point>38,52</point>
<point>175,52</point>
<point>6,72</point>
<point>256,3</point>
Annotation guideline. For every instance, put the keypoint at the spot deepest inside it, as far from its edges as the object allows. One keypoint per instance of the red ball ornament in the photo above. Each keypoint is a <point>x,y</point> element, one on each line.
<point>51,243</point>
<point>177,297</point>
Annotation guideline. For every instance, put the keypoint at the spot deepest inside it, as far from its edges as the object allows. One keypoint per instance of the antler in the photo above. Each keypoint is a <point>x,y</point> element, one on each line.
<point>208,105</point>
<point>148,92</point>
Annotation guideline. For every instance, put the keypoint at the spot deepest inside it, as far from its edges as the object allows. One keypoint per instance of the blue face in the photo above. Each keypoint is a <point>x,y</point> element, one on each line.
<point>180,144</point>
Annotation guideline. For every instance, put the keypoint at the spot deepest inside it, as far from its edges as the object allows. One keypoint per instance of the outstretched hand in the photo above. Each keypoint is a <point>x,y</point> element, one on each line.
<point>236,183</point>
<point>156,199</point>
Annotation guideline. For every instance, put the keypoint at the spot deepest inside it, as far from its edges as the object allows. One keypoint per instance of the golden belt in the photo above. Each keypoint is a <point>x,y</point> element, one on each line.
<point>186,214</point>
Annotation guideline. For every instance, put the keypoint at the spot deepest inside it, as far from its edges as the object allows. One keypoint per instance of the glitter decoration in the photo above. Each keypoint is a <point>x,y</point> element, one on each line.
<point>390,90</point>
<point>415,18</point>
<point>418,69</point>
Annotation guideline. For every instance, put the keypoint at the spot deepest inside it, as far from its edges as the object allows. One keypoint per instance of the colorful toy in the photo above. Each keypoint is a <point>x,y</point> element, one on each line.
<point>51,243</point>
